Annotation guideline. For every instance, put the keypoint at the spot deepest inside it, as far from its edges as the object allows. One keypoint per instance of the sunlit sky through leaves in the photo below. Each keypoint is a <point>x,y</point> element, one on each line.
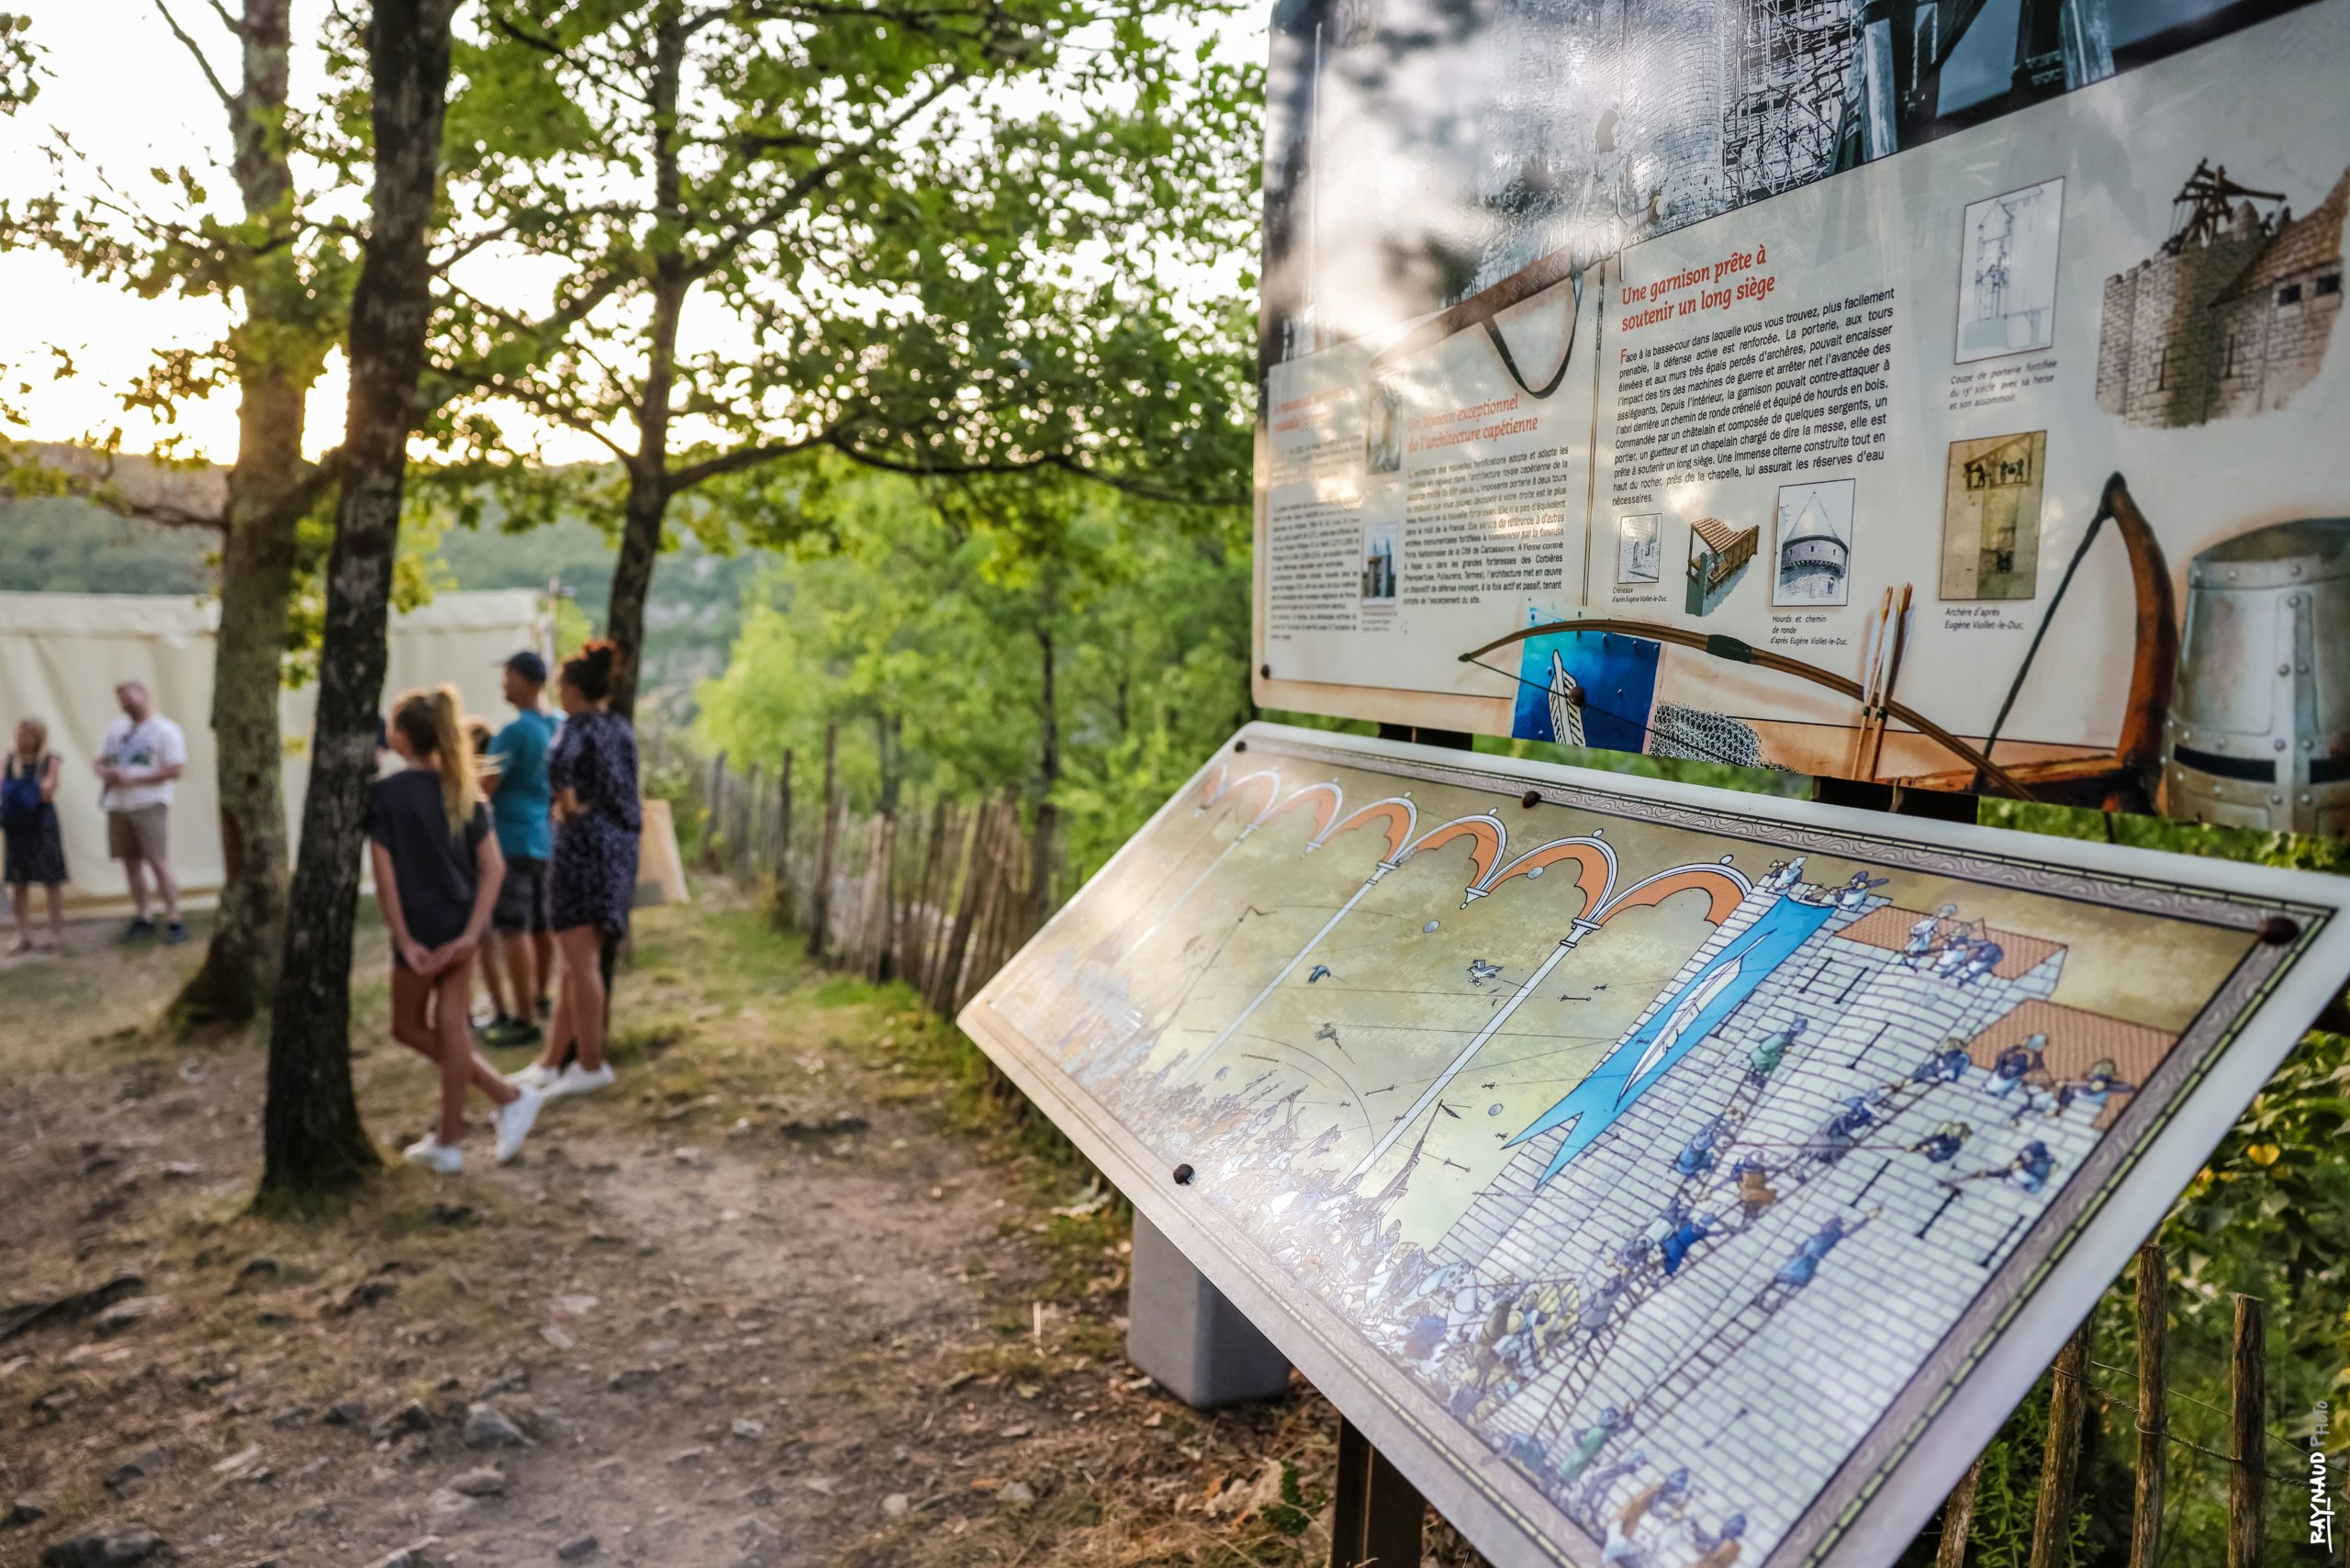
<point>127,96</point>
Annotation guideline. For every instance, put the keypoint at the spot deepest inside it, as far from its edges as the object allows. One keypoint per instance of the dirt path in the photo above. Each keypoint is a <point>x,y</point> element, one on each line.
<point>764,1302</point>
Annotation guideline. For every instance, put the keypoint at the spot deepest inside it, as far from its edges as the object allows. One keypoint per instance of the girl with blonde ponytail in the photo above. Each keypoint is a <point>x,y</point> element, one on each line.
<point>434,716</point>
<point>437,872</point>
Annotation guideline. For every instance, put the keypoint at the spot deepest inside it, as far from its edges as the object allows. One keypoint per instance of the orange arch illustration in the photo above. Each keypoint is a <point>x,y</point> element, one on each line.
<point>1487,834</point>
<point>1264,780</point>
<point>1595,869</point>
<point>1400,815</point>
<point>1331,801</point>
<point>1722,887</point>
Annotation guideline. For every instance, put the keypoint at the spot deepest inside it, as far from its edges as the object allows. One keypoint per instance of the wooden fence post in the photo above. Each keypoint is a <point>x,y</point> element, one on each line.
<point>820,897</point>
<point>745,852</point>
<point>1003,902</point>
<point>2068,1400</point>
<point>922,935</point>
<point>2248,1401</point>
<point>713,827</point>
<point>782,858</point>
<point>972,957</point>
<point>1958,1517</point>
<point>967,905</point>
<point>2154,1419</point>
<point>938,885</point>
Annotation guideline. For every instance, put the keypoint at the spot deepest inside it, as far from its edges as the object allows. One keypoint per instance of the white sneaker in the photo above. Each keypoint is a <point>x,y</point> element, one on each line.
<point>429,1151</point>
<point>514,1121</point>
<point>577,1080</point>
<point>538,1075</point>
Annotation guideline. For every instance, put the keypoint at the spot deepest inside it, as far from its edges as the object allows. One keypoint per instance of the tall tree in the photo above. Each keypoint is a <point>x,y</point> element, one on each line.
<point>944,239</point>
<point>285,279</point>
<point>313,1141</point>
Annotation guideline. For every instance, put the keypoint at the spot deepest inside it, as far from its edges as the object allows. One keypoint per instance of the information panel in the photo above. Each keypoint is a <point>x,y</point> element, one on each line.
<point>1808,327</point>
<point>1655,1179</point>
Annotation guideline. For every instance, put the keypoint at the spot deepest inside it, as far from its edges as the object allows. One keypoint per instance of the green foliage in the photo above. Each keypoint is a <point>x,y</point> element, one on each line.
<point>238,229</point>
<point>20,67</point>
<point>927,628</point>
<point>1299,1505</point>
<point>959,240</point>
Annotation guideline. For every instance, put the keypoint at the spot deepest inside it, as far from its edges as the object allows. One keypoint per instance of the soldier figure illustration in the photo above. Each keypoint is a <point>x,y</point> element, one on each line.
<point>1764,1059</point>
<point>2092,1090</point>
<point>1698,1154</point>
<point>2015,1064</point>
<point>1941,1146</point>
<point>1592,1441</point>
<point>1947,1065</point>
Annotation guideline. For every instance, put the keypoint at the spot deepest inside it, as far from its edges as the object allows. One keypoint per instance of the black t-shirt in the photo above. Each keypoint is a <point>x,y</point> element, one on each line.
<point>434,870</point>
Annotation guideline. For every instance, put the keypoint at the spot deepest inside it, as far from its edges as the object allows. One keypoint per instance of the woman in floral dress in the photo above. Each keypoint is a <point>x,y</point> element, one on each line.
<point>591,877</point>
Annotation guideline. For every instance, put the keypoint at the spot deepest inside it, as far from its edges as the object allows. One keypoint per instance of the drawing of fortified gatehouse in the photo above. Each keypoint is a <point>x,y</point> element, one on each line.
<point>1842,1163</point>
<point>2232,317</point>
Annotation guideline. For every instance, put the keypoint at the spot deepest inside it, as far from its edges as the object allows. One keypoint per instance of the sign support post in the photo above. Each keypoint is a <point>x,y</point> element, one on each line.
<point>1380,1516</point>
<point>1187,1336</point>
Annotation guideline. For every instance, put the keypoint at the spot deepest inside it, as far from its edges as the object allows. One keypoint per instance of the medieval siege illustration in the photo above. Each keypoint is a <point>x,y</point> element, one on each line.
<point>1598,1130</point>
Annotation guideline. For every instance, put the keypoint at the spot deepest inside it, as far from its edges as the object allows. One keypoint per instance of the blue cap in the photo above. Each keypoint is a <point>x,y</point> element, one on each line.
<point>529,665</point>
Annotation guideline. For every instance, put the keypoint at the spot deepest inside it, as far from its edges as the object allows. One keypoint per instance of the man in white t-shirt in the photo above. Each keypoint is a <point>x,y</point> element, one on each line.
<point>140,755</point>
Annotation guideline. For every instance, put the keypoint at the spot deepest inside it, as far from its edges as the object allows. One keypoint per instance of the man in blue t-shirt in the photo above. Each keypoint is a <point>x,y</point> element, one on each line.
<point>520,807</point>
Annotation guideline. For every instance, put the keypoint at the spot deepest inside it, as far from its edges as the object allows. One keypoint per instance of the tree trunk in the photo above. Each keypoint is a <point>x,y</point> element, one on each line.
<point>1048,718</point>
<point>648,476</point>
<point>313,1140</point>
<point>279,349</point>
<point>648,504</point>
<point>240,967</point>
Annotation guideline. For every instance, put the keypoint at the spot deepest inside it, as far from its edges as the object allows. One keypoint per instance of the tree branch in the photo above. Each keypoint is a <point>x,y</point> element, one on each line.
<point>533,399</point>
<point>294,503</point>
<point>31,472</point>
<point>227,99</point>
<point>1067,462</point>
<point>727,243</point>
<point>489,236</point>
<point>734,462</point>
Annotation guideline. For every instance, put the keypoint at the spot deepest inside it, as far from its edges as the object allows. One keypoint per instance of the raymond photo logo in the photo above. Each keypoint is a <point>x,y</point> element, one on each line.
<point>2321,1496</point>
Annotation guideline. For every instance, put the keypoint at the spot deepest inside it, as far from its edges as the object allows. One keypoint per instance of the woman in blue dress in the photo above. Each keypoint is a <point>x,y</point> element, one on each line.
<point>591,876</point>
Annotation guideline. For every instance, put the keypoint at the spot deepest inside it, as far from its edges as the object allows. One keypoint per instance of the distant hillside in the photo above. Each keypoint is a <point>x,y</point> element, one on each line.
<point>691,622</point>
<point>57,546</point>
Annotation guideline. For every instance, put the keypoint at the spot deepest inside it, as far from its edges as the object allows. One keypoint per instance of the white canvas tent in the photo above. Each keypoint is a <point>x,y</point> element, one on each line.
<point>61,656</point>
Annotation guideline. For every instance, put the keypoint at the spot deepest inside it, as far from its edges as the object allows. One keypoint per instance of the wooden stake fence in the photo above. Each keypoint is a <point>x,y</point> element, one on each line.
<point>938,895</point>
<point>2069,1393</point>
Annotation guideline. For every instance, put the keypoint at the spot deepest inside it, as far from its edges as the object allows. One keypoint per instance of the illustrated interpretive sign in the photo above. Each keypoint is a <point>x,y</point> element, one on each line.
<point>1656,1175</point>
<point>1766,318</point>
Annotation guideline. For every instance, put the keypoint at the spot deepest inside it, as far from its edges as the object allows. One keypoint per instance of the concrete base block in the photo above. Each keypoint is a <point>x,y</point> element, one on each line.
<point>1182,1330</point>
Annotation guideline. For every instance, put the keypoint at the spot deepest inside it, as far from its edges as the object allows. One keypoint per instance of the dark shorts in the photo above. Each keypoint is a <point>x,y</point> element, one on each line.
<point>429,939</point>
<point>521,898</point>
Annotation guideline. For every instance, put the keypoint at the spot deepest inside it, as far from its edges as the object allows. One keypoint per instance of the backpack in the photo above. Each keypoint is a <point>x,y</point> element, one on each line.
<point>20,797</point>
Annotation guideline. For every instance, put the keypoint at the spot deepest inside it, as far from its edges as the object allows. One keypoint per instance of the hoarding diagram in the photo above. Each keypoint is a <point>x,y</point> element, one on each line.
<point>1645,1175</point>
